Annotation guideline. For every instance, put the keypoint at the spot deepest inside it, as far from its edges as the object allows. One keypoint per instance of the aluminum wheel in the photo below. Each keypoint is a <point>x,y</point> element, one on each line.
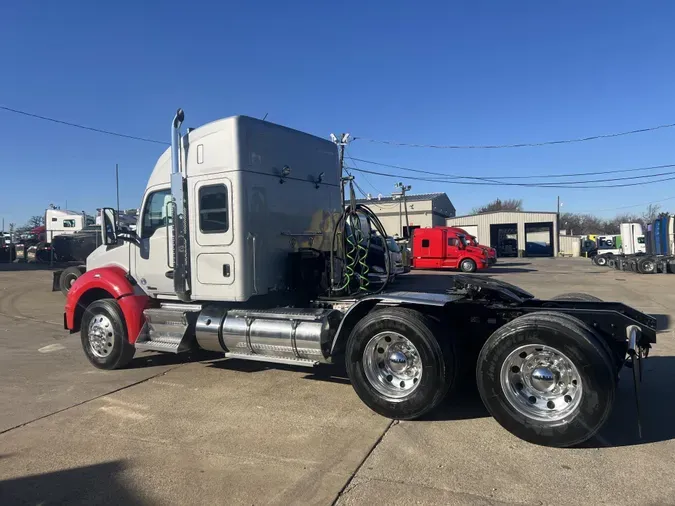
<point>392,365</point>
<point>101,336</point>
<point>648,266</point>
<point>541,382</point>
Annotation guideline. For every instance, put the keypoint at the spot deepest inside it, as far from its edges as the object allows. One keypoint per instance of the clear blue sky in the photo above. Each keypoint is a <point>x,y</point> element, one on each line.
<point>437,72</point>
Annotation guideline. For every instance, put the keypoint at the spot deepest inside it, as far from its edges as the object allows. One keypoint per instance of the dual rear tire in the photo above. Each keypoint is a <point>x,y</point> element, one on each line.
<point>545,377</point>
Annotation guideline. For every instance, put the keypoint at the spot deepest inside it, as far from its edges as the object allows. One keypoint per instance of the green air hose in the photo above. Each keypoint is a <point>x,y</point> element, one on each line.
<point>356,248</point>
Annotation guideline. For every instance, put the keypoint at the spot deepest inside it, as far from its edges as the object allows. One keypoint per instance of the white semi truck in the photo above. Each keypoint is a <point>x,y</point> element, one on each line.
<point>244,246</point>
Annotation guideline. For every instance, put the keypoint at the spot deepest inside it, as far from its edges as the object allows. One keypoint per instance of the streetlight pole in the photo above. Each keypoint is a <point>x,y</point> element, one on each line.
<point>341,142</point>
<point>403,189</point>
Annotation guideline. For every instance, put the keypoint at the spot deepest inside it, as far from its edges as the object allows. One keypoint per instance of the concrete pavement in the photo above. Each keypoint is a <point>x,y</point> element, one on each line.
<point>204,430</point>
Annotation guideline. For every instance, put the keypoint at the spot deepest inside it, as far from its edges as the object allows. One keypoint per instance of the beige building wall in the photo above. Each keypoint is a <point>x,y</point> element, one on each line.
<point>483,222</point>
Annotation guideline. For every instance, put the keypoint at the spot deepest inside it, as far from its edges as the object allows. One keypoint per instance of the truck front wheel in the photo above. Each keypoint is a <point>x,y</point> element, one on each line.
<point>397,365</point>
<point>467,265</point>
<point>104,335</point>
<point>547,378</point>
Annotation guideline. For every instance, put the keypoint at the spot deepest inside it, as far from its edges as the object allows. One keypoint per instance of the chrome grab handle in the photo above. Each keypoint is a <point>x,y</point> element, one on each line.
<point>168,231</point>
<point>255,286</point>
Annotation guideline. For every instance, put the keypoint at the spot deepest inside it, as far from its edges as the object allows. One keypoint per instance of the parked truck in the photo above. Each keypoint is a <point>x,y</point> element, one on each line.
<point>446,248</point>
<point>473,241</point>
<point>646,253</point>
<point>241,249</point>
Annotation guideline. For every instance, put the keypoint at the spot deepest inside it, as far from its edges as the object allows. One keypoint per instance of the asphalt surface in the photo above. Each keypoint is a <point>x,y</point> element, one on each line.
<point>200,429</point>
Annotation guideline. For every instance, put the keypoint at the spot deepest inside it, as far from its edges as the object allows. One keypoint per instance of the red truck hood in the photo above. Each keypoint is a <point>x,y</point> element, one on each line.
<point>476,250</point>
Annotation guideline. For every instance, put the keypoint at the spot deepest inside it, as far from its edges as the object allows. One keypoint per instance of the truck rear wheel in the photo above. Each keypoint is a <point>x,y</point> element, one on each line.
<point>547,379</point>
<point>397,365</point>
<point>104,335</point>
<point>646,265</point>
<point>467,265</point>
<point>68,277</point>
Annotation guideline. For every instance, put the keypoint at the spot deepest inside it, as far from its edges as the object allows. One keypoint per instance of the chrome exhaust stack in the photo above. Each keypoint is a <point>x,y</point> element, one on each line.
<point>181,256</point>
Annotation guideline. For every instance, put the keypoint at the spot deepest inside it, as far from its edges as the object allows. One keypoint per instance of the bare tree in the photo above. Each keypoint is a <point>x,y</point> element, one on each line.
<point>651,213</point>
<point>35,221</point>
<point>500,205</point>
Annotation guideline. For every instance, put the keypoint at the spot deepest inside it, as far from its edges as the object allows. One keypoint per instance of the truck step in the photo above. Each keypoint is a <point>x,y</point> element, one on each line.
<point>276,360</point>
<point>168,329</point>
<point>157,346</point>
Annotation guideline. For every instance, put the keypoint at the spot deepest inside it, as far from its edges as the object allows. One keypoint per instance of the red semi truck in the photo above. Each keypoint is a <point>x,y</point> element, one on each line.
<point>446,248</point>
<point>471,239</point>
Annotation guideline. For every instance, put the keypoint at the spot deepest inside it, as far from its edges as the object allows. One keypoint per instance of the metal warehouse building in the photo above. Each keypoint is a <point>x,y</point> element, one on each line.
<point>513,233</point>
<point>424,210</point>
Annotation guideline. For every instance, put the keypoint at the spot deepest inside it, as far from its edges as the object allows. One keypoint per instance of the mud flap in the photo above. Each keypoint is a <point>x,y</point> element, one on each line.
<point>56,287</point>
<point>635,353</point>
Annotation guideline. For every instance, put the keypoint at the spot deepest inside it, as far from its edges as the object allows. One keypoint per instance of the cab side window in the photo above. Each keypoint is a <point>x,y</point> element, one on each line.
<point>155,212</point>
<point>452,241</point>
<point>213,215</point>
<point>68,223</point>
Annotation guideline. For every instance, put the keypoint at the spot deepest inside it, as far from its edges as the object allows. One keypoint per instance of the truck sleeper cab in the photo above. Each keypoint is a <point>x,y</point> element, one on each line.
<point>446,248</point>
<point>240,250</point>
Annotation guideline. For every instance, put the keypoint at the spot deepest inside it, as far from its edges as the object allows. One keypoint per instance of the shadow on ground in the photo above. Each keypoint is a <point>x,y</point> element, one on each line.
<point>23,266</point>
<point>657,412</point>
<point>96,484</point>
<point>322,372</point>
<point>465,403</point>
<point>159,359</point>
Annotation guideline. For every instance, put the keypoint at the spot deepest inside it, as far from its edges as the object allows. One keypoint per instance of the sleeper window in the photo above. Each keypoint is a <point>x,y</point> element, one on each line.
<point>425,243</point>
<point>213,215</point>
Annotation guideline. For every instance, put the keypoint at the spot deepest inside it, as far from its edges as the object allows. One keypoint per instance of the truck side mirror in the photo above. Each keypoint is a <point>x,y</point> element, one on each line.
<point>108,226</point>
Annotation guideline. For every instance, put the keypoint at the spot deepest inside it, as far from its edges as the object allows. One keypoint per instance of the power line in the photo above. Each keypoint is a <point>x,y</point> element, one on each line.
<point>496,178</point>
<point>626,207</point>
<point>531,185</point>
<point>364,176</point>
<point>83,127</point>
<point>520,145</point>
<point>486,181</point>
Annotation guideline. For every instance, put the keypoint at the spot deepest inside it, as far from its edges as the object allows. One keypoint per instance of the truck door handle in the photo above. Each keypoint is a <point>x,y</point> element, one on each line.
<point>226,270</point>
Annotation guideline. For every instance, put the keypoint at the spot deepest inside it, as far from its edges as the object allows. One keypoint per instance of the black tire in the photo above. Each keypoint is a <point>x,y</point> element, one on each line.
<point>68,277</point>
<point>438,362</point>
<point>467,265</point>
<point>120,351</point>
<point>646,265</point>
<point>611,262</point>
<point>577,296</point>
<point>600,260</point>
<point>574,339</point>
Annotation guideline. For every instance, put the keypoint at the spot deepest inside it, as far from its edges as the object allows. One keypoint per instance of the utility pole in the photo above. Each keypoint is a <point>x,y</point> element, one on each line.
<point>557,221</point>
<point>342,143</point>
<point>402,192</point>
<point>117,187</point>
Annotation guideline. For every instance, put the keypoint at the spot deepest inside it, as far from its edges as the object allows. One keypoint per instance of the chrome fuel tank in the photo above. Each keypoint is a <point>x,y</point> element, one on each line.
<point>280,332</point>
